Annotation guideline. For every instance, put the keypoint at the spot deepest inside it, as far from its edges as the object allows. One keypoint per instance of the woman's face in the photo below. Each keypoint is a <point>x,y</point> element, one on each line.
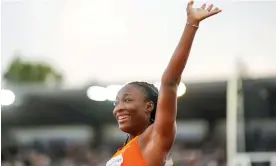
<point>132,110</point>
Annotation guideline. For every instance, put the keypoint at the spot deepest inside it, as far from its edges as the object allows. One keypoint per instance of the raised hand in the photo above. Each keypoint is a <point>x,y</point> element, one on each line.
<point>195,15</point>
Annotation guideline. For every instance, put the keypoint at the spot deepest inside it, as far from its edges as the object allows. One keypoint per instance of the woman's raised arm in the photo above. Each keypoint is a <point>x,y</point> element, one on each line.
<point>164,126</point>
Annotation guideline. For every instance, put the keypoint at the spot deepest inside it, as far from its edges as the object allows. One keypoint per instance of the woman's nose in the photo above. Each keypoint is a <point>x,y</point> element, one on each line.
<point>118,108</point>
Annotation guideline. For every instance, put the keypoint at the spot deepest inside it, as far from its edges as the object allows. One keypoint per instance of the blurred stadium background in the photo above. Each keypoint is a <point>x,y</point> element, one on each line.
<point>224,120</point>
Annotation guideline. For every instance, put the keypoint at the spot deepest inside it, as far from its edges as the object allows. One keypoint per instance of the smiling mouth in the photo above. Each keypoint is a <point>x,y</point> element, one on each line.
<point>122,118</point>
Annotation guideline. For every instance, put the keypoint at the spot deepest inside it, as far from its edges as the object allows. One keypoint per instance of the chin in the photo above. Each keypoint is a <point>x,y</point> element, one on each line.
<point>125,128</point>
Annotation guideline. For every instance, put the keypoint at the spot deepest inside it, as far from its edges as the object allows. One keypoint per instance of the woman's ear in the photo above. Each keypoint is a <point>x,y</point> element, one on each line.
<point>150,106</point>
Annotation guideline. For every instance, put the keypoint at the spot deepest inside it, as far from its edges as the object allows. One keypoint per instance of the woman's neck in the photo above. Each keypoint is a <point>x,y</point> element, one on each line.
<point>131,136</point>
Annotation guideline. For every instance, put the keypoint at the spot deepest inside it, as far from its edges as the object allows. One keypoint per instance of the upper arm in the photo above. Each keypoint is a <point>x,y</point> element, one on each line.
<point>157,140</point>
<point>164,127</point>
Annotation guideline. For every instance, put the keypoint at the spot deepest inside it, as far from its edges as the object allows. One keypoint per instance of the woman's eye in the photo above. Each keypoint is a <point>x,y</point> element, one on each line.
<point>128,100</point>
<point>116,103</point>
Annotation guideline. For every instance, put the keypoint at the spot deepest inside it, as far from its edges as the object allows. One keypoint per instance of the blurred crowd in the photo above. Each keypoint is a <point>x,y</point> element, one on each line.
<point>77,154</point>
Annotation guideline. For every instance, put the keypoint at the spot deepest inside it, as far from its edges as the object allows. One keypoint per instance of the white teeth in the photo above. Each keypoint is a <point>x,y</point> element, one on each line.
<point>122,117</point>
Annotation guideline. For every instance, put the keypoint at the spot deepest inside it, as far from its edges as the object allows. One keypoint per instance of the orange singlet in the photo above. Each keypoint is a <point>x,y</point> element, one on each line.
<point>129,155</point>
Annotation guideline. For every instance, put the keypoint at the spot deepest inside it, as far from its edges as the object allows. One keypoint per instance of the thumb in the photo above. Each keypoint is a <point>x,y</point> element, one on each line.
<point>190,4</point>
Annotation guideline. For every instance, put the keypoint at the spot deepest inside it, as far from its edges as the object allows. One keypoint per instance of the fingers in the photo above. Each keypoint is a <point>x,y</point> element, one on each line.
<point>213,12</point>
<point>210,8</point>
<point>203,6</point>
<point>209,11</point>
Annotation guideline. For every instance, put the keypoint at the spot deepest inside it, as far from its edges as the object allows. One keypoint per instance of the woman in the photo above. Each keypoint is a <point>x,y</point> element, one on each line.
<point>150,136</point>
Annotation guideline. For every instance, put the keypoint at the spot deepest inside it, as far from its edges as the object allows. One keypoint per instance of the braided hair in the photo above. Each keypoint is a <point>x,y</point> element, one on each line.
<point>151,93</point>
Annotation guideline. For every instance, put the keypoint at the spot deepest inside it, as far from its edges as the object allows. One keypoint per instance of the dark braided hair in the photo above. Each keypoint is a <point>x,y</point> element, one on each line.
<point>151,93</point>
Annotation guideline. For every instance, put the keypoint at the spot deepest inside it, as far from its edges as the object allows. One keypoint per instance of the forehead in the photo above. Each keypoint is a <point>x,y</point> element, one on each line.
<point>133,90</point>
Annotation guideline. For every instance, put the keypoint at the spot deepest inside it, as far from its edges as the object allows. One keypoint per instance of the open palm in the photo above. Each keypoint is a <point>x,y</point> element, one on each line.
<point>199,14</point>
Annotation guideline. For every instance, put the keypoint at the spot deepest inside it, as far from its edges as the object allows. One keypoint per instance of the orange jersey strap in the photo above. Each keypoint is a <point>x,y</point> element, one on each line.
<point>129,155</point>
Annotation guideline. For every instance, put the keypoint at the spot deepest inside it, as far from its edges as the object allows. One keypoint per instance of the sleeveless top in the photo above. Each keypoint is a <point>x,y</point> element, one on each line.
<point>129,155</point>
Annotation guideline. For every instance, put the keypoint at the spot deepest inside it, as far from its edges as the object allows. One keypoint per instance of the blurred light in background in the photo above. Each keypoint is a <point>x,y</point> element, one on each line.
<point>96,93</point>
<point>181,88</point>
<point>99,93</point>
<point>7,97</point>
<point>157,85</point>
<point>111,92</point>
